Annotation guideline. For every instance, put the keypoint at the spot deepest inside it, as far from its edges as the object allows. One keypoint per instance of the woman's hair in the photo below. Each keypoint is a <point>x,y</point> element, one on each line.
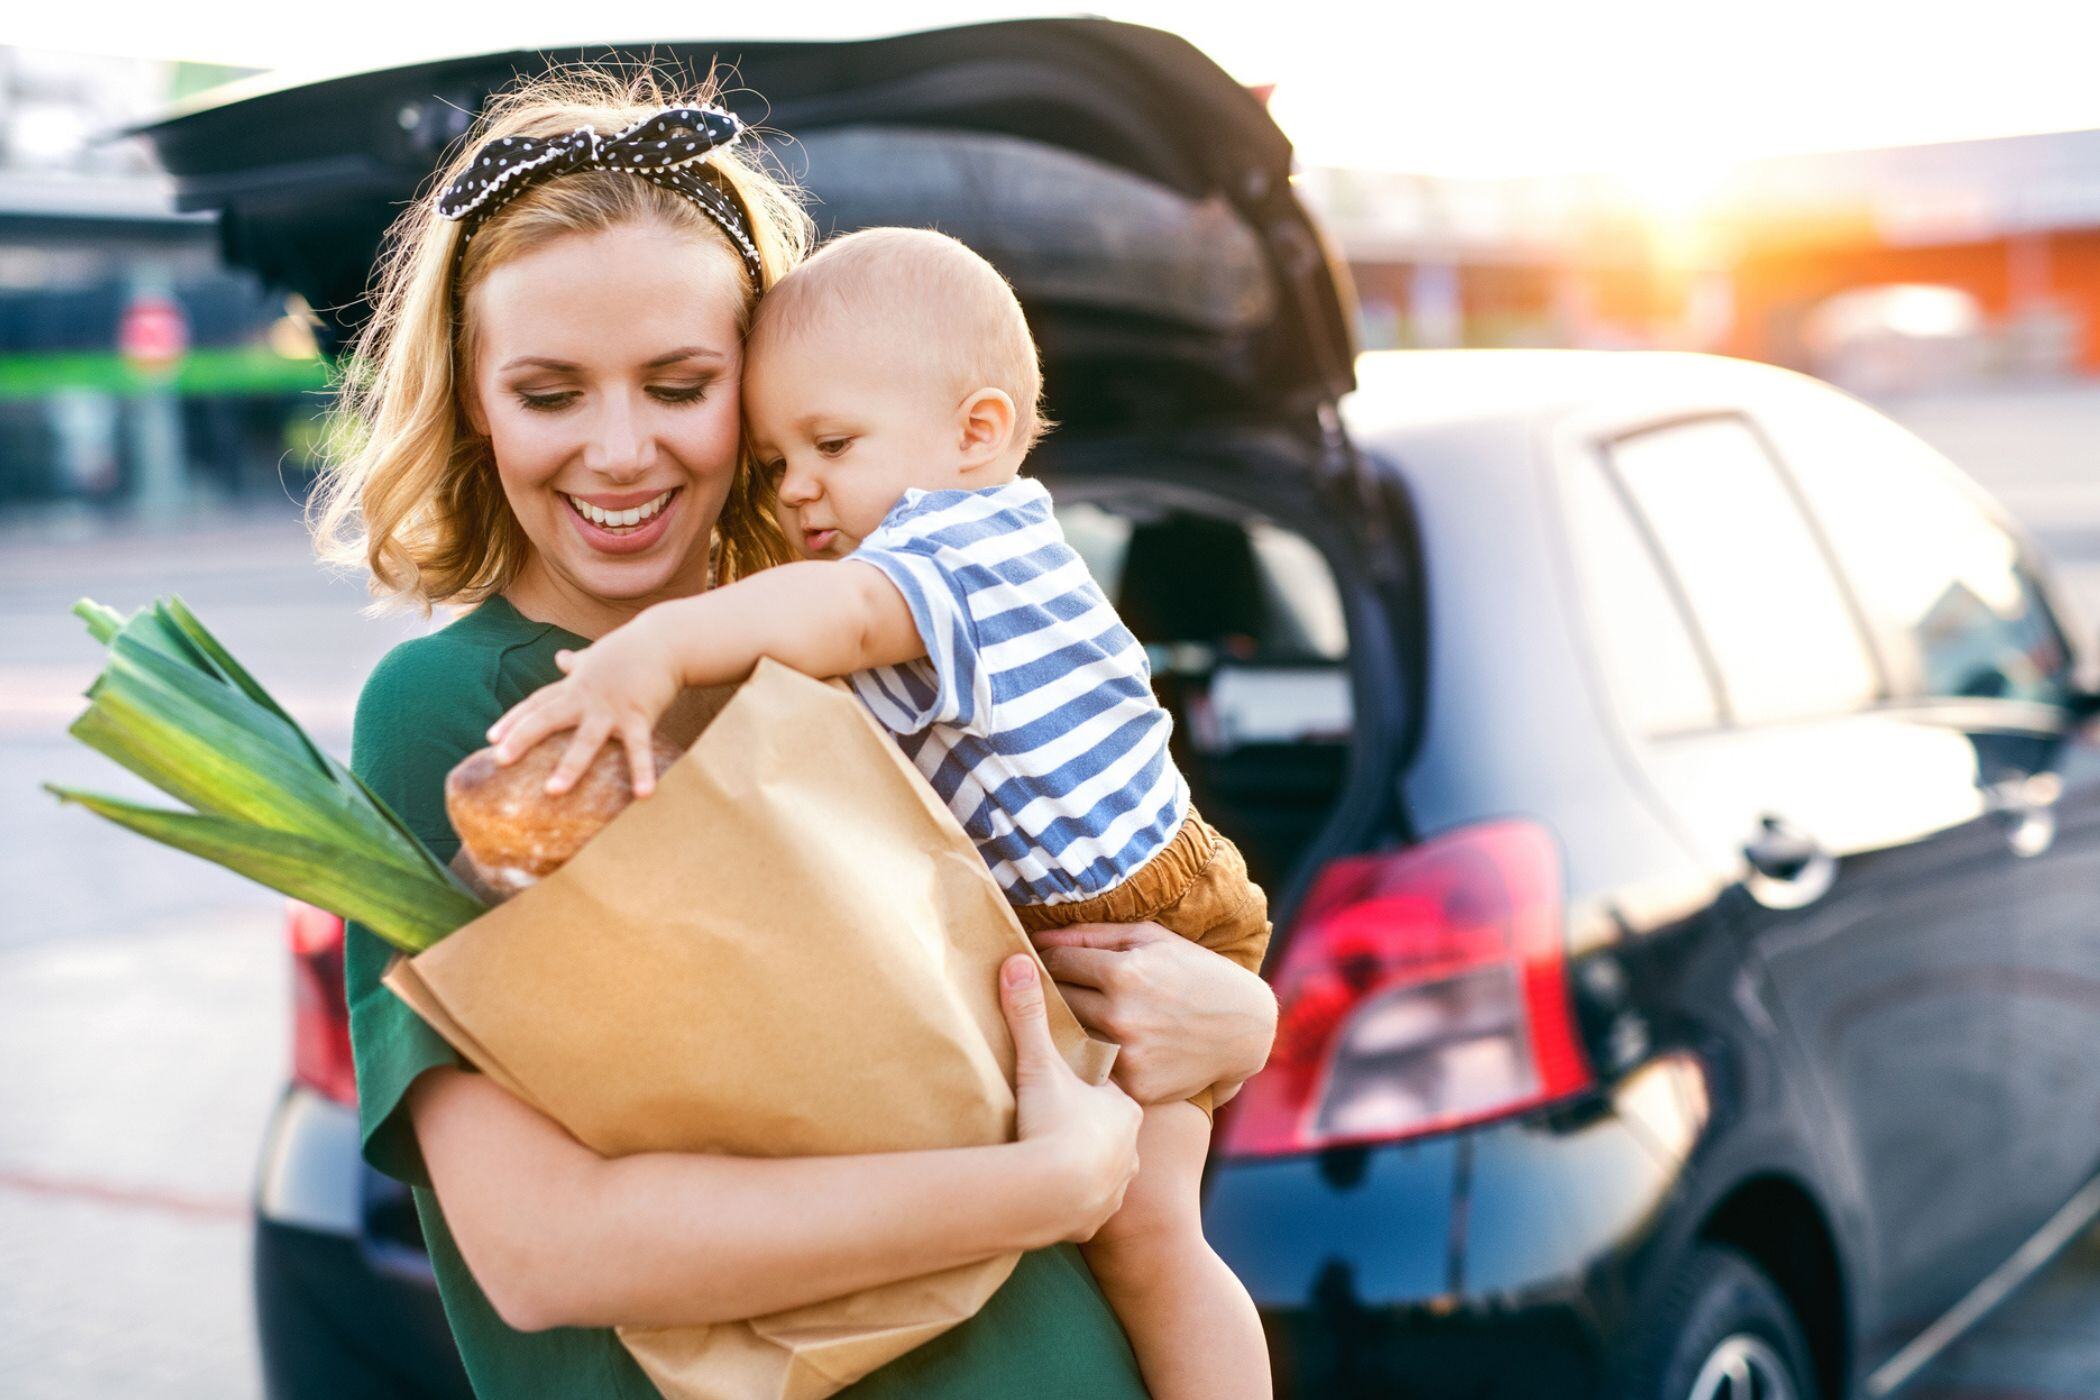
<point>409,490</point>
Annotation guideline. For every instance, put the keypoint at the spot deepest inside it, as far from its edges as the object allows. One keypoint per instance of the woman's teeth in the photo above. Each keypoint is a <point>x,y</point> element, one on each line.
<point>618,519</point>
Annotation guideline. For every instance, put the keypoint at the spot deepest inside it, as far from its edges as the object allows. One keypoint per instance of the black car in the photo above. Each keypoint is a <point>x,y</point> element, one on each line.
<point>1673,781</point>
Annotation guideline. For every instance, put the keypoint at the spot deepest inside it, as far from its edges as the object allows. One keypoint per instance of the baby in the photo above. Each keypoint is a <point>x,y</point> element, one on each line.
<point>890,389</point>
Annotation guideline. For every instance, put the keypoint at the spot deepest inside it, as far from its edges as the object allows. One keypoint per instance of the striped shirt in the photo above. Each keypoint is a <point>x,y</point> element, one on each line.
<point>1032,712</point>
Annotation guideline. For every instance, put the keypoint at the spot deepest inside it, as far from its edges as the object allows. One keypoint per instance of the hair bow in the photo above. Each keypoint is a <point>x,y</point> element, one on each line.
<point>659,149</point>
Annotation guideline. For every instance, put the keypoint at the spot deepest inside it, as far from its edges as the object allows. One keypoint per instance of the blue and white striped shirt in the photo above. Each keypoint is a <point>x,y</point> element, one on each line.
<point>1032,713</point>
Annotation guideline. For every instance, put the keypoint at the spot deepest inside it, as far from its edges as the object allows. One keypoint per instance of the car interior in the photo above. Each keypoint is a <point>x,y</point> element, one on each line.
<point>1242,622</point>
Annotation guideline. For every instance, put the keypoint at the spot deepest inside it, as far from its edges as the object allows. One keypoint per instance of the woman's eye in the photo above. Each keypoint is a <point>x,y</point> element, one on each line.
<point>679,393</point>
<point>546,403</point>
<point>832,447</point>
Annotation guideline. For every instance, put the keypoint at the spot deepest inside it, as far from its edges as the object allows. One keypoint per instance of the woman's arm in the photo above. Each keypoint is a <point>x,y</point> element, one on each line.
<point>1186,1018</point>
<point>558,1236</point>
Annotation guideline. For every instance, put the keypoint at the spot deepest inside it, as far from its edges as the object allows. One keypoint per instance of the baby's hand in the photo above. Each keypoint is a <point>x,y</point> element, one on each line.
<point>620,685</point>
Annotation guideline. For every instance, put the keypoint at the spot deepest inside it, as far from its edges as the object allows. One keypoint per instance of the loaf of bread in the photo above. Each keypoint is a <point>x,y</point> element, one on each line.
<point>513,831</point>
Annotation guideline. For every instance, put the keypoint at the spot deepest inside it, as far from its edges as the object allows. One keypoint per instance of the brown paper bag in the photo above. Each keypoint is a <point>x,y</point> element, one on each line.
<point>791,949</point>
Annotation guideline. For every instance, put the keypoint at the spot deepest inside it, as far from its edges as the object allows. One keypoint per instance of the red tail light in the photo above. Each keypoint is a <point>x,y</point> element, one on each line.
<point>1421,992</point>
<point>320,1016</point>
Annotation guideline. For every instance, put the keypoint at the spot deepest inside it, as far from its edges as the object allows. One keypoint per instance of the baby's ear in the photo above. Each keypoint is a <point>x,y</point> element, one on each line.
<point>985,427</point>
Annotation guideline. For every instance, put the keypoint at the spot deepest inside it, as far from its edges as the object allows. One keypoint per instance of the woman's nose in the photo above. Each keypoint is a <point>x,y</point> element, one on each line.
<point>620,445</point>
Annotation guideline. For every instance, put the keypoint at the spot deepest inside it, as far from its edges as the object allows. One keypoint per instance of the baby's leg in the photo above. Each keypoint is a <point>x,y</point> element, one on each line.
<point>1194,1328</point>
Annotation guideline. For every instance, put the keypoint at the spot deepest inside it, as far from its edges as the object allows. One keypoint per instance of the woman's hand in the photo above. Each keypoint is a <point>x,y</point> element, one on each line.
<point>1185,1017</point>
<point>1085,1136</point>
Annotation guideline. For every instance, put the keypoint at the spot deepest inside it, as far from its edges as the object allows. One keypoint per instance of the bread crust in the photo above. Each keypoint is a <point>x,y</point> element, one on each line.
<point>513,831</point>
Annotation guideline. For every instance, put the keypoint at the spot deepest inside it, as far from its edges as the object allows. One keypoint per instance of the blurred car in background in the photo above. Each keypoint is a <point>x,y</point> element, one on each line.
<point>1674,782</point>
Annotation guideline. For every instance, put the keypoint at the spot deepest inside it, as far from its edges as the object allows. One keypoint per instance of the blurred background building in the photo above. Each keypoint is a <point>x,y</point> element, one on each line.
<point>1913,268</point>
<point>136,372</point>
<point>137,375</point>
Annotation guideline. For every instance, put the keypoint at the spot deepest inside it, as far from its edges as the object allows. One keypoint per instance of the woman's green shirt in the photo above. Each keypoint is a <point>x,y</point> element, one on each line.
<point>1048,1332</point>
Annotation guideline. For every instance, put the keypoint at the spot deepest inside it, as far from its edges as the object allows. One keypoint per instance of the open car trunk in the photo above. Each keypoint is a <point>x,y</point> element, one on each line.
<point>1137,197</point>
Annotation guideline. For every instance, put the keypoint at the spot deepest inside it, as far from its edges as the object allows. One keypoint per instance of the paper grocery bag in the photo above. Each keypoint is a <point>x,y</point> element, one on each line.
<point>790,949</point>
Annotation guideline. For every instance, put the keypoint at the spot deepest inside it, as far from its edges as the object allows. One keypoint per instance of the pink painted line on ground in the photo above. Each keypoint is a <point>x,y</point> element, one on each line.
<point>133,1197</point>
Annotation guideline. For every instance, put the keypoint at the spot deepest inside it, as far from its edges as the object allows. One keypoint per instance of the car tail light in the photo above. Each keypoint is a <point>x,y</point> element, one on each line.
<point>320,1016</point>
<point>1421,991</point>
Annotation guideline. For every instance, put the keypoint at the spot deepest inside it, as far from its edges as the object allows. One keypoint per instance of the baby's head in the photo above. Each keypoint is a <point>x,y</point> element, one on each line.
<point>892,358</point>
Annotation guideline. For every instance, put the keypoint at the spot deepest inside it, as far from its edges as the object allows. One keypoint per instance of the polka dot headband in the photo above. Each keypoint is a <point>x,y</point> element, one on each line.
<point>665,150</point>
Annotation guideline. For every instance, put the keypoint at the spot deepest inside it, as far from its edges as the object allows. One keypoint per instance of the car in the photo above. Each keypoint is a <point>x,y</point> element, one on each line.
<point>1676,785</point>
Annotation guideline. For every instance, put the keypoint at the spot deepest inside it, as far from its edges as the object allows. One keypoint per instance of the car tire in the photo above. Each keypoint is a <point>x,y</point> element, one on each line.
<point>1722,1331</point>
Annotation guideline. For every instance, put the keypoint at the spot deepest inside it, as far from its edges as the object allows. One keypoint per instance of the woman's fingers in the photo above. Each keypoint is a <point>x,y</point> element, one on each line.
<point>1081,966</point>
<point>1112,936</point>
<point>1094,1009</point>
<point>590,737</point>
<point>1021,998</point>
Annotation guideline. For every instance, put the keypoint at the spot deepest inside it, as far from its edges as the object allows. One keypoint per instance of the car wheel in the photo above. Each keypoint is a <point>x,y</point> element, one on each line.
<point>1723,1331</point>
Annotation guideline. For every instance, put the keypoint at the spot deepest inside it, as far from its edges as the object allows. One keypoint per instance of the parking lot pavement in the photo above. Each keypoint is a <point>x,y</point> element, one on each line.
<point>152,1057</point>
<point>143,994</point>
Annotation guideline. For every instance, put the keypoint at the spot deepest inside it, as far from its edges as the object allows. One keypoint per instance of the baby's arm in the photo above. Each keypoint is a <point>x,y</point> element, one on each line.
<point>822,619</point>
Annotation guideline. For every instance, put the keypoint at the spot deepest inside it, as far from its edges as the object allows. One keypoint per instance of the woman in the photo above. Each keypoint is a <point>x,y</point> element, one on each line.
<point>547,427</point>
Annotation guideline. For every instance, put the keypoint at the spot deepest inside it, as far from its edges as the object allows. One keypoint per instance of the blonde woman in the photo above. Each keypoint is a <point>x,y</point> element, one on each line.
<point>545,413</point>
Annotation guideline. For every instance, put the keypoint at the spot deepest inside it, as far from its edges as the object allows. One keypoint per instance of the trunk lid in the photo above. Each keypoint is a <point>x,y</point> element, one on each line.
<point>1138,197</point>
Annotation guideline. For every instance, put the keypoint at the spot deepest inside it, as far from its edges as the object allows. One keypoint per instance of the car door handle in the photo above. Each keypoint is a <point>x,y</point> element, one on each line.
<point>1788,867</point>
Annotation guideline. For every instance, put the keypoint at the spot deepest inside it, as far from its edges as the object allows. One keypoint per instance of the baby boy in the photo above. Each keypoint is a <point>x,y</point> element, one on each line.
<point>890,391</point>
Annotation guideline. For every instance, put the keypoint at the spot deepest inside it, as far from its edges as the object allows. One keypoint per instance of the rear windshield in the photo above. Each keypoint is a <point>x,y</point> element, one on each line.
<point>1065,230</point>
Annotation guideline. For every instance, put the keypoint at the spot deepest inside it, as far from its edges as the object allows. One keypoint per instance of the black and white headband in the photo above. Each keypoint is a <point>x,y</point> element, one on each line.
<point>664,149</point>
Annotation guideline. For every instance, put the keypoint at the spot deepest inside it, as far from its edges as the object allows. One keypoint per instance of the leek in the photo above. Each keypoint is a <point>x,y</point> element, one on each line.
<point>174,707</point>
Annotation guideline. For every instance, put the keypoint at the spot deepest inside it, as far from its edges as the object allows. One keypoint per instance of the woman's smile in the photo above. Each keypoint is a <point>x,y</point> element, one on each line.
<point>626,523</point>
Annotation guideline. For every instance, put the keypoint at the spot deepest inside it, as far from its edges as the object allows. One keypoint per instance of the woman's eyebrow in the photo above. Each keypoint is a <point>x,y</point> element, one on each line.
<point>669,357</point>
<point>685,352</point>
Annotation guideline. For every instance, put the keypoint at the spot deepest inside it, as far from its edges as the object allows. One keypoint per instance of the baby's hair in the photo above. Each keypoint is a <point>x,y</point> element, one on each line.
<point>937,301</point>
<point>410,491</point>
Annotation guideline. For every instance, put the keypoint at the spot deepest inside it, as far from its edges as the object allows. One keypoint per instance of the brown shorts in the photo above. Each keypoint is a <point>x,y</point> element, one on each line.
<point>1197,886</point>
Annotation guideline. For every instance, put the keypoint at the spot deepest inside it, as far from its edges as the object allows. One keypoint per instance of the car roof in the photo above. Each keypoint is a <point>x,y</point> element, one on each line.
<point>1404,393</point>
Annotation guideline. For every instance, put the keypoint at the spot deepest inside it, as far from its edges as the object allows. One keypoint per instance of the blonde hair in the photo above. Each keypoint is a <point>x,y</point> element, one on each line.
<point>409,490</point>
<point>937,301</point>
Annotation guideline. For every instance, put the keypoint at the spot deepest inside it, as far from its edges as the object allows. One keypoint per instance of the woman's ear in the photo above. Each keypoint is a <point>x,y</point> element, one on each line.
<point>985,424</point>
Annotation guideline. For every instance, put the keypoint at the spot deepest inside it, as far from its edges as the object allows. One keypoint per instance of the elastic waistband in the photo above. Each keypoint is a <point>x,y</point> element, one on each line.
<point>1153,886</point>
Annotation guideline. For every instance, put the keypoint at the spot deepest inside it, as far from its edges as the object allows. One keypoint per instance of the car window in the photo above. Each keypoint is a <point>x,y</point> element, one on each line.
<point>1944,582</point>
<point>1640,638</point>
<point>1758,582</point>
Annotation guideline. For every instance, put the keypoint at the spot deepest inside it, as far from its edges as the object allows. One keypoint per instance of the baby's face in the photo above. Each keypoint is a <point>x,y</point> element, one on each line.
<point>844,425</point>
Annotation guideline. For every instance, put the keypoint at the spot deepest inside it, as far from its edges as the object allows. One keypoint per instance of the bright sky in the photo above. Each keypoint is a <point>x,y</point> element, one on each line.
<point>1657,89</point>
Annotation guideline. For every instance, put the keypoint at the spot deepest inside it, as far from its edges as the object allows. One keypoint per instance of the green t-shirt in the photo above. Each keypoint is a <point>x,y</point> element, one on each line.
<point>1046,1333</point>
